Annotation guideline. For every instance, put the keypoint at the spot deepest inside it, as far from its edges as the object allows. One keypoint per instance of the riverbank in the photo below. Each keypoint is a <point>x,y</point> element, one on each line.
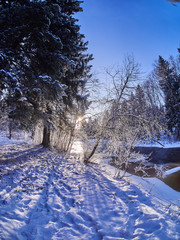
<point>151,170</point>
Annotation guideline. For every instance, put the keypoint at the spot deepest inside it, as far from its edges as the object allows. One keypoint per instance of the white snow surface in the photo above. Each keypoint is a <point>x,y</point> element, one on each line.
<point>164,144</point>
<point>173,170</point>
<point>45,196</point>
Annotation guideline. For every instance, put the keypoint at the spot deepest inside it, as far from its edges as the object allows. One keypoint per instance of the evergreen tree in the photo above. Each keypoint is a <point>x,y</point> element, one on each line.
<point>170,85</point>
<point>140,102</point>
<point>43,65</point>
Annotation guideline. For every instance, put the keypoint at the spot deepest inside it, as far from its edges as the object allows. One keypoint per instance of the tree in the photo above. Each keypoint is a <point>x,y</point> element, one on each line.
<point>169,81</point>
<point>125,117</point>
<point>155,110</point>
<point>138,102</point>
<point>113,123</point>
<point>174,1</point>
<point>43,67</point>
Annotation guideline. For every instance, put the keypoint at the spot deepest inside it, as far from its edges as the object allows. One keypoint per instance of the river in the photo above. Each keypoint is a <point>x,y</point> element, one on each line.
<point>172,180</point>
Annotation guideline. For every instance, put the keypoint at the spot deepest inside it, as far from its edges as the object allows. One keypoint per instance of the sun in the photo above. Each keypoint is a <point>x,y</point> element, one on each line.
<point>79,119</point>
<point>79,122</point>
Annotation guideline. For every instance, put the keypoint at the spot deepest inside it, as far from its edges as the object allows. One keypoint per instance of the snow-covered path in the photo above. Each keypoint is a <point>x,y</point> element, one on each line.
<point>43,196</point>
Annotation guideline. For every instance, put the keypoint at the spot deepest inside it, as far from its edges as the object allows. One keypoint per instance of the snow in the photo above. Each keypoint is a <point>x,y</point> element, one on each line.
<point>173,170</point>
<point>44,195</point>
<point>18,139</point>
<point>165,144</point>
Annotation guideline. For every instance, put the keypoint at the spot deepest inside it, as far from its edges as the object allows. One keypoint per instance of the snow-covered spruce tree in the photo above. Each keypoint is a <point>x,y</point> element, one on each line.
<point>140,108</point>
<point>155,106</point>
<point>43,68</point>
<point>169,81</point>
<point>153,93</point>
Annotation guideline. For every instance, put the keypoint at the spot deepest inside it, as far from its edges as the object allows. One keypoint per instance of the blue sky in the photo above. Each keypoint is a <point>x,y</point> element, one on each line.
<point>144,28</point>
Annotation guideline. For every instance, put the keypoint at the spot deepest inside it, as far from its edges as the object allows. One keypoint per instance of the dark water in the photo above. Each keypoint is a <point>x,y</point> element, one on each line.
<point>173,180</point>
<point>160,155</point>
<point>168,157</point>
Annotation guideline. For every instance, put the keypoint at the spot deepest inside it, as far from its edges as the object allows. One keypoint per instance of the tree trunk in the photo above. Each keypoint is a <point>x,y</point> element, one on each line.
<point>70,141</point>
<point>10,130</point>
<point>177,134</point>
<point>92,152</point>
<point>46,136</point>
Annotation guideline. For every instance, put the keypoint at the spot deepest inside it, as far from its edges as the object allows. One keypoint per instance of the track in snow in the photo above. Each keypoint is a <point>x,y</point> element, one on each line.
<point>43,196</point>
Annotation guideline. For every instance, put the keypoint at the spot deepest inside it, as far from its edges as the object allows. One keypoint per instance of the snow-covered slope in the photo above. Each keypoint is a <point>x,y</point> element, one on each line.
<point>45,196</point>
<point>164,144</point>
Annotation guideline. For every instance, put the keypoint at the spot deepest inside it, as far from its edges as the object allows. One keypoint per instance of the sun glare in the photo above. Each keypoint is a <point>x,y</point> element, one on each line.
<point>79,122</point>
<point>79,119</point>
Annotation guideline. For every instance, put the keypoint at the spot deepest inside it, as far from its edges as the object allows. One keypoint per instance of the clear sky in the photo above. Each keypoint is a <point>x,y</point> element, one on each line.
<point>144,28</point>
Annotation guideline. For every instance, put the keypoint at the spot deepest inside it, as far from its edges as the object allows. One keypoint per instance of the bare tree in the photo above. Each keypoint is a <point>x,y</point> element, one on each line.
<point>121,82</point>
<point>125,117</point>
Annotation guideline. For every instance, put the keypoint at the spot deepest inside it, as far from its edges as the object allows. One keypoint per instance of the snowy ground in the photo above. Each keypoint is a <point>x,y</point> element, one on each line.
<point>162,143</point>
<point>45,196</point>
